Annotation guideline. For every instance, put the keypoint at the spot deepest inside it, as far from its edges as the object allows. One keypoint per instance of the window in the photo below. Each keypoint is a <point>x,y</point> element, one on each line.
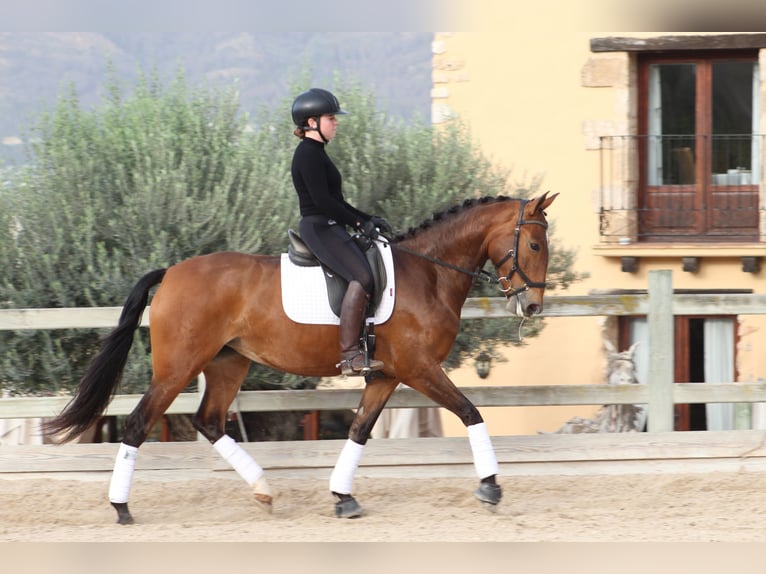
<point>699,151</point>
<point>704,352</point>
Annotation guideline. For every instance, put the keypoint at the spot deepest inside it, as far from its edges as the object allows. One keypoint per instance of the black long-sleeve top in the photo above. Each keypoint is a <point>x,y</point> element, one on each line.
<point>319,185</point>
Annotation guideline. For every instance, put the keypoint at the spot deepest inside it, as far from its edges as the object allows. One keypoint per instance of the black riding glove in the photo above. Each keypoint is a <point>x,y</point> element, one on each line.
<point>369,229</point>
<point>382,225</point>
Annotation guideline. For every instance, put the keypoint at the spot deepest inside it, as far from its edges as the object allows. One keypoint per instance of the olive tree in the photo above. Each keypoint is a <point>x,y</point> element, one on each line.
<point>151,177</point>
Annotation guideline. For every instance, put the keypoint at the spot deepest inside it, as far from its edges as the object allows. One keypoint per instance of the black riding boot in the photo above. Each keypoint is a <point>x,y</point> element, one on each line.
<point>351,318</point>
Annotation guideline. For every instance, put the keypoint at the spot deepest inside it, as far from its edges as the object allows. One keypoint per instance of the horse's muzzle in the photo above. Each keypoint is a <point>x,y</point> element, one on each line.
<point>520,307</point>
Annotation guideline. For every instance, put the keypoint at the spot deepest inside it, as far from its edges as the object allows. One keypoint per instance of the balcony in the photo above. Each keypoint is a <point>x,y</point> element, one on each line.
<point>681,189</point>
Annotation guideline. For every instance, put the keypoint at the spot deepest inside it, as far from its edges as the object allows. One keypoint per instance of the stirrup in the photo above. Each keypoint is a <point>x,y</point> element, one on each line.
<point>348,368</point>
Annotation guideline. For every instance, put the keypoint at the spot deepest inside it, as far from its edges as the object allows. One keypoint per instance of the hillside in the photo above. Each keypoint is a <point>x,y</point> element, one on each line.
<point>35,67</point>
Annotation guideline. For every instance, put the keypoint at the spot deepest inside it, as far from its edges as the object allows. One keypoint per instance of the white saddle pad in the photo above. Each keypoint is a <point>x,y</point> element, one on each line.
<point>304,292</point>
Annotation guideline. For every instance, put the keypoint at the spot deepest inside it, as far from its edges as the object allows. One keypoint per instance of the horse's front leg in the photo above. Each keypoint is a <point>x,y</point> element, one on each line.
<point>374,398</point>
<point>438,387</point>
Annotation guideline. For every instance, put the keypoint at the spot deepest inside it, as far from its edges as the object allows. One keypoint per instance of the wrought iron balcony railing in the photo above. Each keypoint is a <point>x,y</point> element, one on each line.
<point>681,187</point>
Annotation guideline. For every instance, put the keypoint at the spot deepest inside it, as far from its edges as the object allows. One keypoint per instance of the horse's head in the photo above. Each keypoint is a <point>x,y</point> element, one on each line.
<point>621,367</point>
<point>519,250</point>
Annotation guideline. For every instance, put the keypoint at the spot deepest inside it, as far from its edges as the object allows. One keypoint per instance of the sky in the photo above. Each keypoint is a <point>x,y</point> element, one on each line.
<point>230,15</point>
<point>375,15</point>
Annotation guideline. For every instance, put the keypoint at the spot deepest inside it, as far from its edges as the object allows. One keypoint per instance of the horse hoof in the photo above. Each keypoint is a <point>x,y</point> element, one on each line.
<point>348,507</point>
<point>489,493</point>
<point>123,514</point>
<point>264,502</point>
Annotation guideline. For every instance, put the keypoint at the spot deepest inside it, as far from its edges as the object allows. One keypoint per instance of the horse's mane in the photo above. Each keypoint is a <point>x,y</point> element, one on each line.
<point>448,213</point>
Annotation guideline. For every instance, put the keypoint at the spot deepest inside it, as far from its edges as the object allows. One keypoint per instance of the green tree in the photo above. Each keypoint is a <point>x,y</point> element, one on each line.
<point>170,171</point>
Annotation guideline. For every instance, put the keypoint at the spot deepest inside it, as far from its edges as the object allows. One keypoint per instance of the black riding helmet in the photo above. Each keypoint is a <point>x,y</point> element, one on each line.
<point>312,104</point>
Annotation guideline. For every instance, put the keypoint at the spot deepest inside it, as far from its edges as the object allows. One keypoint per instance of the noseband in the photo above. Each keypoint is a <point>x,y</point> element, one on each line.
<point>514,254</point>
<point>488,277</point>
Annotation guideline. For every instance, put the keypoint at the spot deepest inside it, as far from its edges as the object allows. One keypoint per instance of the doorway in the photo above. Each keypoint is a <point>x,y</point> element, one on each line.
<point>704,352</point>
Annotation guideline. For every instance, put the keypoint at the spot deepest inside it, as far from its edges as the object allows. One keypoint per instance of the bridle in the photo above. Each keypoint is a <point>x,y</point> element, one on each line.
<point>482,275</point>
<point>514,253</point>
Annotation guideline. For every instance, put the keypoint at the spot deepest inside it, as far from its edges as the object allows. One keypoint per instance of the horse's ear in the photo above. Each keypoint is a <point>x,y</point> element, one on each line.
<point>542,202</point>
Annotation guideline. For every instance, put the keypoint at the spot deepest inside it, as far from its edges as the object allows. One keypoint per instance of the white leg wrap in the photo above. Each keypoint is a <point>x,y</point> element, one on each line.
<point>242,462</point>
<point>484,460</point>
<point>342,477</point>
<point>122,475</point>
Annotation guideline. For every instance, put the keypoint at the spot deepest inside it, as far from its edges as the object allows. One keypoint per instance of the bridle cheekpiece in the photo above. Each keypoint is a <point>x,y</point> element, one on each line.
<point>514,254</point>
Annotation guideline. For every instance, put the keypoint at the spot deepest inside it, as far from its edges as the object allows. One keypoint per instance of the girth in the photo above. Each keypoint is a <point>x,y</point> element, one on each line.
<point>300,254</point>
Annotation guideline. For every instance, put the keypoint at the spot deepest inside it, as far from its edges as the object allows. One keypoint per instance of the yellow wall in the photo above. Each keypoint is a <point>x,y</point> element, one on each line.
<point>520,90</point>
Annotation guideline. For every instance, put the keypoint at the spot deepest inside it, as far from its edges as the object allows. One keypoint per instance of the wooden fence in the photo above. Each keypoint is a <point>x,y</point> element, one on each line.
<point>658,450</point>
<point>659,304</point>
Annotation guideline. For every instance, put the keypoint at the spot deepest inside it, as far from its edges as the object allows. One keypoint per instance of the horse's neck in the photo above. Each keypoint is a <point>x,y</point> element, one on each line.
<point>457,242</point>
<point>455,251</point>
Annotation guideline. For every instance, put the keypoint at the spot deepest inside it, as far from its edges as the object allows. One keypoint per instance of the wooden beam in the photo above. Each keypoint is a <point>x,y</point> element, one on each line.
<point>719,392</point>
<point>64,318</point>
<point>338,399</point>
<point>444,456</point>
<point>675,43</point>
<point>660,377</point>
<point>34,407</point>
<point>481,396</point>
<point>474,308</point>
<point>716,303</point>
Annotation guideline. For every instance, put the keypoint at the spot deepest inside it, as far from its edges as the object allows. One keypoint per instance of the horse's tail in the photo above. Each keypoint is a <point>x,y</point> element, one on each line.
<point>100,381</point>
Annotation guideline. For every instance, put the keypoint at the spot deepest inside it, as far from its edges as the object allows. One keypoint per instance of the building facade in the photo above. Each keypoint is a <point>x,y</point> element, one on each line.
<point>655,142</point>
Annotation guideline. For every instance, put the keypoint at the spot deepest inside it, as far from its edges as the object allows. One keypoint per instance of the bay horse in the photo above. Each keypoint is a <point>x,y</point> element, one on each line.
<point>216,313</point>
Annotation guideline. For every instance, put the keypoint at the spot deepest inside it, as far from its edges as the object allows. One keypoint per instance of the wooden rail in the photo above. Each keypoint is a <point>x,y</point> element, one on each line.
<point>659,305</point>
<point>474,308</point>
<point>332,399</point>
<point>560,454</point>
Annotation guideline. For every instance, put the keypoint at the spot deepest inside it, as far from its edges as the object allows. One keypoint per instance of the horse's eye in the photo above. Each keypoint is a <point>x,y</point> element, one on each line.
<point>534,246</point>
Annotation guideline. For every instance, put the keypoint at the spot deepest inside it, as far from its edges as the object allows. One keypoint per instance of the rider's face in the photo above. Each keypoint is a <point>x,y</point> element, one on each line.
<point>328,124</point>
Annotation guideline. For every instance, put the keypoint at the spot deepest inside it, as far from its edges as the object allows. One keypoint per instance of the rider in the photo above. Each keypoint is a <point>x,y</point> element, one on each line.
<point>325,214</point>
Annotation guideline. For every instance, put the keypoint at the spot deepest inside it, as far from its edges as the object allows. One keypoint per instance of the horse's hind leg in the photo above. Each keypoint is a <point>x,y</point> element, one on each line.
<point>223,377</point>
<point>150,408</point>
<point>374,398</point>
<point>173,370</point>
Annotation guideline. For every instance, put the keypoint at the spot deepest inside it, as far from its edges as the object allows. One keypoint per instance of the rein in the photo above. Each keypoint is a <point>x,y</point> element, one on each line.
<point>481,274</point>
<point>484,275</point>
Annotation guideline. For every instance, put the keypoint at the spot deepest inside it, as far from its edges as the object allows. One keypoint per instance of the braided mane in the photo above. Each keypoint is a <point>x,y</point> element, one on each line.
<point>440,216</point>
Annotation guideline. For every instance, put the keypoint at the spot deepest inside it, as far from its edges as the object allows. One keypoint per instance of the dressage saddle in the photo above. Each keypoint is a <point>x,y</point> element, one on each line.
<point>300,254</point>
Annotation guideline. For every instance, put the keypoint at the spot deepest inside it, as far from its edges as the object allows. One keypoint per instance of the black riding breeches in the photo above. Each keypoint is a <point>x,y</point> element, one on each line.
<point>336,249</point>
